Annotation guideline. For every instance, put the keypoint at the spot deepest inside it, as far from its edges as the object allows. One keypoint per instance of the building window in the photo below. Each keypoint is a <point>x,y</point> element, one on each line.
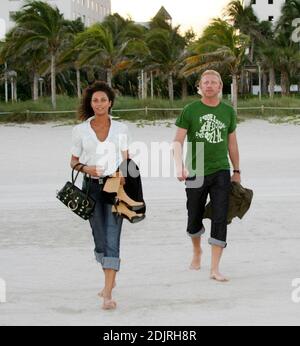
<point>271,18</point>
<point>270,2</point>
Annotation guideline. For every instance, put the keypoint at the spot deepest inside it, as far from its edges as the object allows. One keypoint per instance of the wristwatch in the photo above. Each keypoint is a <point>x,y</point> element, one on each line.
<point>237,171</point>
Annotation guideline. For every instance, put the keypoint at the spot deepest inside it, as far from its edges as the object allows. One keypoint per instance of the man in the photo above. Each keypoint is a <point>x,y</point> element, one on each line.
<point>212,123</point>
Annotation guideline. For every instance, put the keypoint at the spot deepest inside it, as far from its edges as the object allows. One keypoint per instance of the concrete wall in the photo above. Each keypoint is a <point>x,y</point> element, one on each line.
<point>90,11</point>
<point>263,9</point>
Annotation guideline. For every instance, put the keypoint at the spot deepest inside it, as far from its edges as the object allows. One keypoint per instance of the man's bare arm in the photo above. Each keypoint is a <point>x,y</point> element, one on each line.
<point>178,142</point>
<point>234,155</point>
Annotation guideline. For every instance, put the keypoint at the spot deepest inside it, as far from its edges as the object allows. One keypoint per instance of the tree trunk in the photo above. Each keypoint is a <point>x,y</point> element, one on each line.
<point>242,82</point>
<point>35,86</point>
<point>285,83</point>
<point>78,83</point>
<point>53,81</point>
<point>184,89</point>
<point>171,87</point>
<point>272,82</point>
<point>12,90</point>
<point>15,90</point>
<point>252,51</point>
<point>109,77</point>
<point>6,83</point>
<point>6,90</point>
<point>265,84</point>
<point>235,91</point>
<point>145,78</point>
<point>247,87</point>
<point>152,86</point>
<point>140,91</point>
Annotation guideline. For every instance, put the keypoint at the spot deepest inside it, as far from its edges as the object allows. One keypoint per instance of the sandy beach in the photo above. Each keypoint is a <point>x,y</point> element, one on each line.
<point>46,252</point>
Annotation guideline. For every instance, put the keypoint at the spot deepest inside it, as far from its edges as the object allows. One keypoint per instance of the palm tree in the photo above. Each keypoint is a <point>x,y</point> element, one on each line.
<point>290,10</point>
<point>125,30</point>
<point>267,53</point>
<point>167,48</point>
<point>287,62</point>
<point>245,20</point>
<point>221,47</point>
<point>288,57</point>
<point>97,46</point>
<point>31,57</point>
<point>69,57</point>
<point>42,23</point>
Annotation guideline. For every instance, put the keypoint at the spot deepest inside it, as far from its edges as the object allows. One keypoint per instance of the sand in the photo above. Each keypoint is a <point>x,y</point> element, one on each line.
<point>46,252</point>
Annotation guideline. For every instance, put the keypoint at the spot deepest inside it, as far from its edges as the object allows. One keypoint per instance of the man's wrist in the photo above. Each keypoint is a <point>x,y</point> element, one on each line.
<point>237,171</point>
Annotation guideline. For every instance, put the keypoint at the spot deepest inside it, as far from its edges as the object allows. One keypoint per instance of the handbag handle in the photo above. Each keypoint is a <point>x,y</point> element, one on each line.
<point>74,180</point>
<point>73,170</point>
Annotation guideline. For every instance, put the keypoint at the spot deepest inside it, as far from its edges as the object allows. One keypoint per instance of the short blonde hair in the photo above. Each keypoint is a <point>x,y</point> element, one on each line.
<point>211,73</point>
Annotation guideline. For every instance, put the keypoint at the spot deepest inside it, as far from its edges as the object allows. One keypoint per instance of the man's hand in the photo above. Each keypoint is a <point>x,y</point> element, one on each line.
<point>182,174</point>
<point>236,178</point>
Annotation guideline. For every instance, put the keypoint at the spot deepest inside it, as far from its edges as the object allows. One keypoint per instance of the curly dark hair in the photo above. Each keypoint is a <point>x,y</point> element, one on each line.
<point>85,110</point>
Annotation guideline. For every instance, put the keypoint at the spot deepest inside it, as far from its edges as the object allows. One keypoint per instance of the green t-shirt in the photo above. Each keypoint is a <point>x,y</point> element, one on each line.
<point>210,126</point>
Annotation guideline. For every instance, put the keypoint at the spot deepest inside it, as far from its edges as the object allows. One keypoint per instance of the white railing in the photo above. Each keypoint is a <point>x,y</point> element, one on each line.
<point>146,110</point>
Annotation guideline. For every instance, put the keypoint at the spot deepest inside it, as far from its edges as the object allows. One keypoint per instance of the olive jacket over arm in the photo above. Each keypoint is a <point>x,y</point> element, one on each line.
<point>240,200</point>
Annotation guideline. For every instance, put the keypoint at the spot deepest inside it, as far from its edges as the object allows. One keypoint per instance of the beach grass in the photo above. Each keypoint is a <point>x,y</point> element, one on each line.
<point>133,109</point>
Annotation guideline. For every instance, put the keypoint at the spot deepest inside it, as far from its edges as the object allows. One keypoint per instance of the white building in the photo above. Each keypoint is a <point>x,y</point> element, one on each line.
<point>91,11</point>
<point>268,10</point>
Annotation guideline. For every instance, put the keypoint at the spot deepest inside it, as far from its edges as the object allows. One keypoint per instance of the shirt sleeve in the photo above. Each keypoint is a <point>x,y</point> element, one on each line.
<point>233,123</point>
<point>183,121</point>
<point>124,139</point>
<point>76,149</point>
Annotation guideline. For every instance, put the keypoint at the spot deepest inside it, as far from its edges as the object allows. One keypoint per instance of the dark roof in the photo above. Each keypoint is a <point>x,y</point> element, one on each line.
<point>163,13</point>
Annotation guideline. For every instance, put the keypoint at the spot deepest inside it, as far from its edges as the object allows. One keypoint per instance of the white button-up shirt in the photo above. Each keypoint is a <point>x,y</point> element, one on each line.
<point>93,152</point>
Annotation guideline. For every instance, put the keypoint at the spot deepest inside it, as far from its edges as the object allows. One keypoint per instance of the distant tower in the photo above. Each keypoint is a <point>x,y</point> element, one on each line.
<point>163,13</point>
<point>267,10</point>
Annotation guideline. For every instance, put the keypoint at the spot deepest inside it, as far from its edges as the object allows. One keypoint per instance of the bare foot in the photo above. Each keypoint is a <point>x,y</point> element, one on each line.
<point>218,277</point>
<point>101,293</point>
<point>109,304</point>
<point>196,262</point>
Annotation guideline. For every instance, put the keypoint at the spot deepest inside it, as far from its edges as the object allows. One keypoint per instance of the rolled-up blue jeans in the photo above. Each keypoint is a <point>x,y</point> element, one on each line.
<point>106,228</point>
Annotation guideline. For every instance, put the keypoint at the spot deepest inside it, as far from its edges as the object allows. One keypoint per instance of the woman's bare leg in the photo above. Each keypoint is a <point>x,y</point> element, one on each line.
<point>110,278</point>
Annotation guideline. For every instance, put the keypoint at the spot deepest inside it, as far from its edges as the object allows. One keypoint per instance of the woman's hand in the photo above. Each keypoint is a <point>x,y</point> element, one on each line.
<point>123,181</point>
<point>94,171</point>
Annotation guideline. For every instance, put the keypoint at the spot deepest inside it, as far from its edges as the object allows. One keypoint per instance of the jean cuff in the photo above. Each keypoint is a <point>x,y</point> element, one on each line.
<point>198,234</point>
<point>99,257</point>
<point>216,242</point>
<point>111,263</point>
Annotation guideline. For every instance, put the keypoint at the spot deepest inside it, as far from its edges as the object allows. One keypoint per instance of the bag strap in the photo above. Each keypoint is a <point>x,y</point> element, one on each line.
<point>85,175</point>
<point>73,170</point>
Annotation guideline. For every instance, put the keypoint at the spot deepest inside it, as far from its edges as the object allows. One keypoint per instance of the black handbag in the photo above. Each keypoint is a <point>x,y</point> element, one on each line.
<point>75,199</point>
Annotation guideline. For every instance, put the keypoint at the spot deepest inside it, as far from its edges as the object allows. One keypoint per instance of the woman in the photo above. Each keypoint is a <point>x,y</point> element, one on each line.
<point>101,144</point>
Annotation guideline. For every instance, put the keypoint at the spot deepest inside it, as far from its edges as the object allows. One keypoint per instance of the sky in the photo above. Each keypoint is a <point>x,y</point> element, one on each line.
<point>187,13</point>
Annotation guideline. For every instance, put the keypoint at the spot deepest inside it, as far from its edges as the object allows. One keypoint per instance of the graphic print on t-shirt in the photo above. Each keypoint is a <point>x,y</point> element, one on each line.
<point>211,129</point>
